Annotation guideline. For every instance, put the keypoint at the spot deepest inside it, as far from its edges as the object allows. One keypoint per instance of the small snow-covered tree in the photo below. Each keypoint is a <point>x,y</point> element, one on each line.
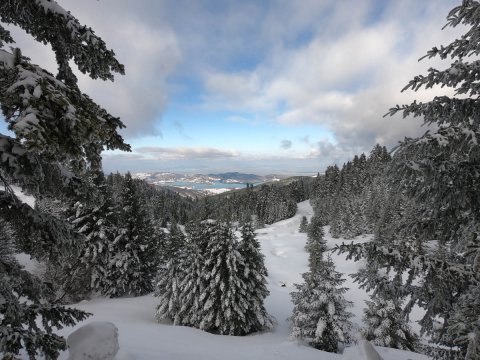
<point>385,325</point>
<point>320,315</point>
<point>253,271</point>
<point>303,225</point>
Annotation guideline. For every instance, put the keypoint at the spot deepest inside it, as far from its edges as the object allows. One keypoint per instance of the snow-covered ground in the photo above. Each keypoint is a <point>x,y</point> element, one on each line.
<point>27,199</point>
<point>142,338</point>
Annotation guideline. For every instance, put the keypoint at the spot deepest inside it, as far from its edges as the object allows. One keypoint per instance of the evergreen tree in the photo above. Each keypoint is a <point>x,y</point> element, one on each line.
<point>23,299</point>
<point>135,257</point>
<point>303,225</point>
<point>222,282</point>
<point>225,300</point>
<point>320,315</point>
<point>170,275</point>
<point>97,226</point>
<point>193,284</point>
<point>437,176</point>
<point>253,271</point>
<point>59,133</point>
<point>316,244</point>
<point>385,325</point>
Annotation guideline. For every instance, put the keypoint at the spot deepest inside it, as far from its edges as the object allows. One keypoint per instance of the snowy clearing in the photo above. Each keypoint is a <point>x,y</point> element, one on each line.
<point>142,338</point>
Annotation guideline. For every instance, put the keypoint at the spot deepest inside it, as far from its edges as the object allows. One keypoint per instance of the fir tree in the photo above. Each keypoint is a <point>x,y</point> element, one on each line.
<point>385,325</point>
<point>193,284</point>
<point>135,257</point>
<point>303,225</point>
<point>225,301</point>
<point>59,133</point>
<point>253,271</point>
<point>316,244</point>
<point>320,315</point>
<point>23,299</point>
<point>170,275</point>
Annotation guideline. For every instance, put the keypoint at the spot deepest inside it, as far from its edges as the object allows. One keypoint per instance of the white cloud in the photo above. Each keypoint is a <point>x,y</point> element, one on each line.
<point>150,55</point>
<point>345,81</point>
<point>186,152</point>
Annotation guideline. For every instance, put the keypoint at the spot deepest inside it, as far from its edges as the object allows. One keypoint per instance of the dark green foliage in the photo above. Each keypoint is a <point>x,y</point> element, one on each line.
<point>134,252</point>
<point>23,299</point>
<point>59,134</point>
<point>439,175</point>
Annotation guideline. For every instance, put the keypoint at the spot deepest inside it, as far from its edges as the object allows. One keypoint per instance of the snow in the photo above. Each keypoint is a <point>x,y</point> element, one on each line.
<point>363,351</point>
<point>97,340</point>
<point>27,199</point>
<point>31,265</point>
<point>141,337</point>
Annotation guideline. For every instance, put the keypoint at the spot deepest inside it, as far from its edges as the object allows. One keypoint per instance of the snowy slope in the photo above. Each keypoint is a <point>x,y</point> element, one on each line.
<point>142,338</point>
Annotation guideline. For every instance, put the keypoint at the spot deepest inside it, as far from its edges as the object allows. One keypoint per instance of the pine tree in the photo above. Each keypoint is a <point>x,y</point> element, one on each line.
<point>97,226</point>
<point>385,325</point>
<point>193,284</point>
<point>437,177</point>
<point>223,282</point>
<point>23,299</point>
<point>253,271</point>
<point>320,315</point>
<point>316,244</point>
<point>440,170</point>
<point>170,275</point>
<point>59,133</point>
<point>135,258</point>
<point>303,225</point>
<point>225,302</point>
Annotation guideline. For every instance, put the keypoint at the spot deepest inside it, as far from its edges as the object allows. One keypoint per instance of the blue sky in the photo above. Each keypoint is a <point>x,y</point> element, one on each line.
<point>274,86</point>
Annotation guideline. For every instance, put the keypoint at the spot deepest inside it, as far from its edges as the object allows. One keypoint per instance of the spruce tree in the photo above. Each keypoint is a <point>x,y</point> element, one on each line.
<point>225,300</point>
<point>24,298</point>
<point>253,271</point>
<point>303,225</point>
<point>193,283</point>
<point>316,244</point>
<point>437,175</point>
<point>59,133</point>
<point>134,251</point>
<point>385,325</point>
<point>320,315</point>
<point>170,275</point>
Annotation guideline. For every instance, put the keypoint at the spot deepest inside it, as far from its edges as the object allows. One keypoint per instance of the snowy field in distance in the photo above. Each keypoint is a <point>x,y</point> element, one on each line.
<point>142,338</point>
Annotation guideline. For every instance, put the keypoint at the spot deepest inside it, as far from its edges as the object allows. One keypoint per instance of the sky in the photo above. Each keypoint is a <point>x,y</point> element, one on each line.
<point>261,86</point>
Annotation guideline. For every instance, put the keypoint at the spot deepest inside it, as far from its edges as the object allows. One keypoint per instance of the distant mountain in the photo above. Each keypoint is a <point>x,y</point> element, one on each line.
<point>230,177</point>
<point>196,184</point>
